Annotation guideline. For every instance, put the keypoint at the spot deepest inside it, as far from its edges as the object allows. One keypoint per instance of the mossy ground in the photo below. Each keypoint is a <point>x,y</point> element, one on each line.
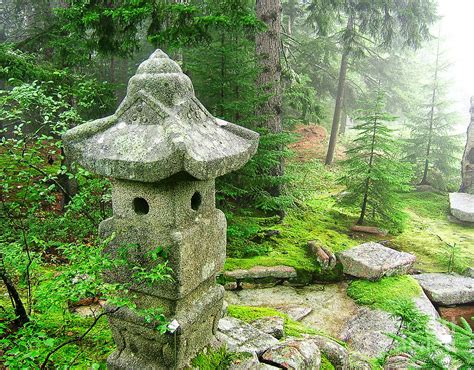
<point>384,294</point>
<point>317,215</point>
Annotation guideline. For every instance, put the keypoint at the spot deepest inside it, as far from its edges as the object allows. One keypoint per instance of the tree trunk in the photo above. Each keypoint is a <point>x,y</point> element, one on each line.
<point>20,312</point>
<point>339,97</point>
<point>342,130</point>
<point>360,221</point>
<point>268,45</point>
<point>424,180</point>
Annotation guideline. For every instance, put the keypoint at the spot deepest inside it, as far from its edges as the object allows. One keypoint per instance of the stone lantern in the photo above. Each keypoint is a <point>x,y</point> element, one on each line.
<point>163,150</point>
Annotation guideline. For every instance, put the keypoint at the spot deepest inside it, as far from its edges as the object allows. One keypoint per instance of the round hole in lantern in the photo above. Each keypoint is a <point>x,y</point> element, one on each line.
<point>140,206</point>
<point>196,200</point>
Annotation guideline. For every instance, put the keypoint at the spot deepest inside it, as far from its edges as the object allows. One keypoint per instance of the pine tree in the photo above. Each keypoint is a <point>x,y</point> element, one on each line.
<point>367,25</point>
<point>373,174</point>
<point>432,145</point>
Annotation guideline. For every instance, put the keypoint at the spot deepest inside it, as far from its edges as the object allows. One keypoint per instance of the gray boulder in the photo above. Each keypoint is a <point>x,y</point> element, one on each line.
<point>462,206</point>
<point>242,337</point>
<point>335,353</point>
<point>273,325</point>
<point>425,306</point>
<point>367,332</point>
<point>372,261</point>
<point>447,289</point>
<point>294,354</point>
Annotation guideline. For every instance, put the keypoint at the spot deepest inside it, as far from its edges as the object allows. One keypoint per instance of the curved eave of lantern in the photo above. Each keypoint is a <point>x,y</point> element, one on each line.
<point>155,143</point>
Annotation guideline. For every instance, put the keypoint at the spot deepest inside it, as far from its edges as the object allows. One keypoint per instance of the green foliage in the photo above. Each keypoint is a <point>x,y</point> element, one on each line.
<point>424,349</point>
<point>219,359</point>
<point>432,147</point>
<point>385,293</point>
<point>373,174</point>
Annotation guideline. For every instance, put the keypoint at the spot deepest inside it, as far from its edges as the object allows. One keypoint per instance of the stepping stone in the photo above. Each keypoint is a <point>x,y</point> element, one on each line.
<point>367,332</point>
<point>334,352</point>
<point>294,354</point>
<point>462,206</point>
<point>372,261</point>
<point>242,337</point>
<point>260,272</point>
<point>447,289</point>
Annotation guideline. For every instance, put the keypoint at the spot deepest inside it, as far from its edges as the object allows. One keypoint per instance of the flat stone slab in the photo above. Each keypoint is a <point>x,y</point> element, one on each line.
<point>260,272</point>
<point>447,289</point>
<point>294,354</point>
<point>242,337</point>
<point>367,332</point>
<point>462,206</point>
<point>372,261</point>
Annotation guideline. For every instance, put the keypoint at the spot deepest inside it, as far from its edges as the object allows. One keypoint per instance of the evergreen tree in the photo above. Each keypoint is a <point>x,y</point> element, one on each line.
<point>224,71</point>
<point>432,145</point>
<point>373,174</point>
<point>366,25</point>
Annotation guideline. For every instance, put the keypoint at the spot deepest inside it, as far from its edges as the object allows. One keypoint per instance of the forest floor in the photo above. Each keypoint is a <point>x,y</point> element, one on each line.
<point>429,232</point>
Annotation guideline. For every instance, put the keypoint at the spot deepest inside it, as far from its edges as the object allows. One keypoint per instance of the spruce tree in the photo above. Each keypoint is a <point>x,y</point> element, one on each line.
<point>432,146</point>
<point>373,174</point>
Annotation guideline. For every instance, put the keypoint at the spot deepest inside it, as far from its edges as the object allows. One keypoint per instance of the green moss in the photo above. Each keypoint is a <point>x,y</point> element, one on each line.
<point>292,328</point>
<point>429,232</point>
<point>384,293</point>
<point>215,359</point>
<point>326,364</point>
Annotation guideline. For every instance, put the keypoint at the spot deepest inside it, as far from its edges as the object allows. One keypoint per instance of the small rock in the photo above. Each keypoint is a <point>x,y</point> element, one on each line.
<point>294,354</point>
<point>78,278</point>
<point>397,362</point>
<point>469,272</point>
<point>231,285</point>
<point>372,261</point>
<point>260,272</point>
<point>447,289</point>
<point>273,325</point>
<point>325,257</point>
<point>242,337</point>
<point>335,352</point>
<point>367,331</point>
<point>88,311</point>
<point>462,206</point>
<point>296,313</point>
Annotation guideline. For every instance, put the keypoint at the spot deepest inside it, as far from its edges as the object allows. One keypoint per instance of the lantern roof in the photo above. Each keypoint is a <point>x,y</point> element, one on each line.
<point>160,129</point>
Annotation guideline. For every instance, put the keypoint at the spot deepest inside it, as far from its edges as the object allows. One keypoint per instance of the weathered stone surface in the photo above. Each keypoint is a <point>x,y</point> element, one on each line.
<point>294,354</point>
<point>398,362</point>
<point>372,261</point>
<point>159,130</point>
<point>462,206</point>
<point>359,362</point>
<point>242,337</point>
<point>325,257</point>
<point>331,307</point>
<point>447,289</point>
<point>260,272</point>
<point>469,272</point>
<point>296,313</point>
<point>273,325</point>
<point>245,361</point>
<point>335,353</point>
<point>366,332</point>
<point>425,306</point>
<point>163,151</point>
